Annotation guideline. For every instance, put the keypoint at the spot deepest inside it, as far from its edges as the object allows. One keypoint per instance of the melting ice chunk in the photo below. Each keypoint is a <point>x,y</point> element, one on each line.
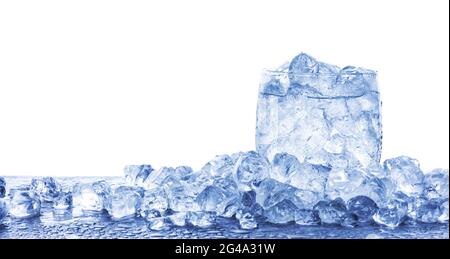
<point>363,208</point>
<point>282,212</point>
<point>91,196</point>
<point>3,209</point>
<point>218,196</point>
<point>331,212</point>
<point>201,219</point>
<point>24,203</point>
<point>153,200</point>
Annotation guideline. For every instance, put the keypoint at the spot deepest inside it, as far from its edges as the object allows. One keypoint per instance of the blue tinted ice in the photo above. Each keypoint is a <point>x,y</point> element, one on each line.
<point>3,209</point>
<point>124,201</point>
<point>250,169</point>
<point>47,188</point>
<point>62,201</point>
<point>24,203</point>
<point>363,208</point>
<point>91,196</point>
<point>331,212</point>
<point>406,175</point>
<point>436,184</point>
<point>321,114</point>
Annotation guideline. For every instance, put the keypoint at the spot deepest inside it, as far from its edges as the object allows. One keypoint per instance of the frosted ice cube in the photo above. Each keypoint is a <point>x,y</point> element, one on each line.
<point>250,169</point>
<point>156,178</point>
<point>47,188</point>
<point>306,217</point>
<point>201,219</point>
<point>363,208</point>
<point>62,201</point>
<point>406,174</point>
<point>91,196</point>
<point>24,203</point>
<point>331,212</point>
<point>282,212</point>
<point>158,223</point>
<point>436,184</point>
<point>429,211</point>
<point>123,202</point>
<point>153,200</point>
<point>2,187</point>
<point>269,192</point>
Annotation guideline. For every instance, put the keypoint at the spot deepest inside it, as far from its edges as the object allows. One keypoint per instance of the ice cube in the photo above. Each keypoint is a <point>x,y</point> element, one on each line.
<point>406,174</point>
<point>220,166</point>
<point>123,202</point>
<point>281,213</point>
<point>250,169</point>
<point>429,211</point>
<point>91,196</point>
<point>153,200</point>
<point>63,201</point>
<point>137,174</point>
<point>157,177</point>
<point>218,196</point>
<point>310,177</point>
<point>436,184</point>
<point>284,166</point>
<point>181,199</point>
<point>348,183</point>
<point>201,219</point>
<point>269,192</point>
<point>306,217</point>
<point>331,212</point>
<point>394,212</point>
<point>363,208</point>
<point>47,188</point>
<point>24,203</point>
<point>2,187</point>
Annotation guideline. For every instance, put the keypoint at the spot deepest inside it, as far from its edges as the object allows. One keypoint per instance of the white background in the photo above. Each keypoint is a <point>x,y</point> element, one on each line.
<point>89,86</point>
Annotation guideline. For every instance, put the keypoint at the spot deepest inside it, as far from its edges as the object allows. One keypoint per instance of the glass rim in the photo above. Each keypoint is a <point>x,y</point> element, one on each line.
<point>273,71</point>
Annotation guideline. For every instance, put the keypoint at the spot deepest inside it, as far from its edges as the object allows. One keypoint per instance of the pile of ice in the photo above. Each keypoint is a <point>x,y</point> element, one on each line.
<point>317,161</point>
<point>249,188</point>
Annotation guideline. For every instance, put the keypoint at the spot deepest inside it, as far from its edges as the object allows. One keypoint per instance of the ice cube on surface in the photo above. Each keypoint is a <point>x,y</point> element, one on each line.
<point>429,211</point>
<point>269,192</point>
<point>181,199</point>
<point>348,183</point>
<point>201,219</point>
<point>250,169</point>
<point>281,213</point>
<point>91,196</point>
<point>394,211</point>
<point>444,211</point>
<point>47,188</point>
<point>436,184</point>
<point>363,208</point>
<point>2,187</point>
<point>158,223</point>
<point>62,201</point>
<point>331,212</point>
<point>124,201</point>
<point>24,203</point>
<point>310,177</point>
<point>178,219</point>
<point>153,200</point>
<point>405,172</point>
<point>218,196</point>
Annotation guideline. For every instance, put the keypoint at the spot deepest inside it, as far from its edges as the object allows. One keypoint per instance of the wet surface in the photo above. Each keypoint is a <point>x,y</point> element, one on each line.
<point>51,225</point>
